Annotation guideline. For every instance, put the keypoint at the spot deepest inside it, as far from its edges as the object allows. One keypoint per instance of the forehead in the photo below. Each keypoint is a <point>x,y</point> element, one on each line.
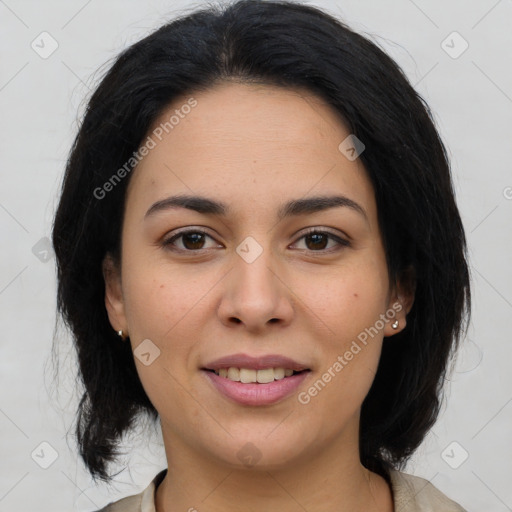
<point>257,140</point>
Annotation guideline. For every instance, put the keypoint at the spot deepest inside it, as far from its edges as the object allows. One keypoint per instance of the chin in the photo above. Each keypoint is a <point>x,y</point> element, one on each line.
<point>268,448</point>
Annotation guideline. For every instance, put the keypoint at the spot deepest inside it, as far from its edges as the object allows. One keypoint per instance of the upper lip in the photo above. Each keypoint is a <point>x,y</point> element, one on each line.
<point>255,362</point>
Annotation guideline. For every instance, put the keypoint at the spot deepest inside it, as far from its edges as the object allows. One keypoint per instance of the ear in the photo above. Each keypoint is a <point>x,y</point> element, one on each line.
<point>400,302</point>
<point>114,302</point>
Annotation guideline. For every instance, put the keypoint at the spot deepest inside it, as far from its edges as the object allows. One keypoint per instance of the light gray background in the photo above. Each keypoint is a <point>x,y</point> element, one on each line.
<point>41,99</point>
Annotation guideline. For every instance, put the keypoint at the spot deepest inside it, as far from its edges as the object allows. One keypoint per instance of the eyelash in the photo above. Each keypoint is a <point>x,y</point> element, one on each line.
<point>168,243</point>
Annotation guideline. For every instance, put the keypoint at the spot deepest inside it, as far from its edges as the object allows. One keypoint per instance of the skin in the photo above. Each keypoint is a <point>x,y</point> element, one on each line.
<point>255,147</point>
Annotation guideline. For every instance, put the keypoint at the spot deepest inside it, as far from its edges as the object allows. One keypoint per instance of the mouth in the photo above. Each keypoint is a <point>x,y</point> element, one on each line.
<point>260,380</point>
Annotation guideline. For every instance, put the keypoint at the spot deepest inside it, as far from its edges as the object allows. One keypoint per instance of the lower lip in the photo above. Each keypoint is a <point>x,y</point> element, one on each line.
<point>254,393</point>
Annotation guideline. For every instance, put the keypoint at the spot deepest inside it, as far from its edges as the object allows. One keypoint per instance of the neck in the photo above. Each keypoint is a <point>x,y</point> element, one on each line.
<point>316,482</point>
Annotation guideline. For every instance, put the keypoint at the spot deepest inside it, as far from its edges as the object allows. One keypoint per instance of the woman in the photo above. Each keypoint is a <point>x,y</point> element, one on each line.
<point>258,245</point>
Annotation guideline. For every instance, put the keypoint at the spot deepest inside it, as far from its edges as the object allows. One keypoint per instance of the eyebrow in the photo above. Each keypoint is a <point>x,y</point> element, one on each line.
<point>291,208</point>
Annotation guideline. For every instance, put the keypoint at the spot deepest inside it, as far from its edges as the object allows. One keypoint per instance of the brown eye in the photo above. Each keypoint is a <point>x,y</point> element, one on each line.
<point>317,241</point>
<point>191,240</point>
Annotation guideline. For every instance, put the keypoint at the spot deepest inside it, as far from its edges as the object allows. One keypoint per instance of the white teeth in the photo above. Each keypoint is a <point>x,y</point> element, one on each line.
<point>265,376</point>
<point>233,374</point>
<point>248,375</point>
<point>279,373</point>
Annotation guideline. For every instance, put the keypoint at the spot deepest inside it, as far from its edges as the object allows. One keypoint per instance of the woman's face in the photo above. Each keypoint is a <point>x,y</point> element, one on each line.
<point>249,281</point>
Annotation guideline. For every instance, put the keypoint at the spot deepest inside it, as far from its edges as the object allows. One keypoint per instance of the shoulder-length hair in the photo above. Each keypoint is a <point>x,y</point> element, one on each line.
<point>289,45</point>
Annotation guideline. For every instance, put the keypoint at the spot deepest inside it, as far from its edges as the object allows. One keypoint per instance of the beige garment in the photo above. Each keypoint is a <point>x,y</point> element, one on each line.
<point>410,494</point>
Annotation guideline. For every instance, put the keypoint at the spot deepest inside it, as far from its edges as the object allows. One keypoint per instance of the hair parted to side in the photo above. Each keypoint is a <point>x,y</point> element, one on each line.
<point>290,45</point>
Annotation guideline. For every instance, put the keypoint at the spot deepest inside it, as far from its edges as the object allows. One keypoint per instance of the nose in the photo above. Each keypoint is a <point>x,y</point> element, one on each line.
<point>255,293</point>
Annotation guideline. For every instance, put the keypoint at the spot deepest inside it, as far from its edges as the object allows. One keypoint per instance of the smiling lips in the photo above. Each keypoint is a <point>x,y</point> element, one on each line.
<point>259,380</point>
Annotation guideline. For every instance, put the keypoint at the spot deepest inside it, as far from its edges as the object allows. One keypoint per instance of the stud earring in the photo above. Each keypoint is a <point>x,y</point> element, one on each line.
<point>120,334</point>
<point>395,324</point>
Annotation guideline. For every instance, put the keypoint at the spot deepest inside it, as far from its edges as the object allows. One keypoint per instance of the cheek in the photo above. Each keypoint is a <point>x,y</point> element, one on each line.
<point>348,305</point>
<point>159,298</point>
<point>163,305</point>
<point>347,300</point>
